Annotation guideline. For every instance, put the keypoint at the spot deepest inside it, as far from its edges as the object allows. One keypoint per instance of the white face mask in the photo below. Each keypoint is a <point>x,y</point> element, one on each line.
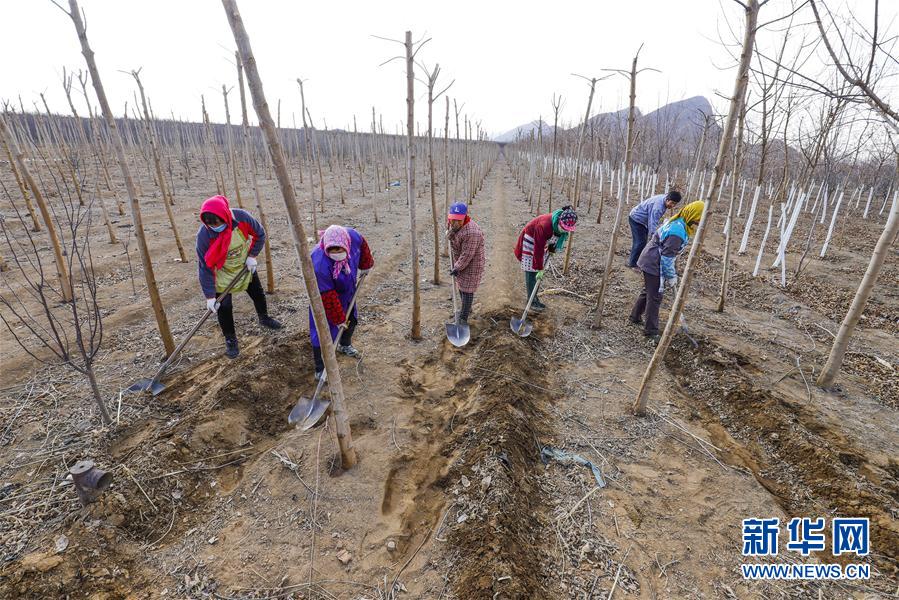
<point>337,256</point>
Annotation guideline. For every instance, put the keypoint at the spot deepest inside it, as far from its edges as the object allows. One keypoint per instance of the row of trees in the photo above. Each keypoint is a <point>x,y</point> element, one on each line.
<point>822,146</point>
<point>64,165</point>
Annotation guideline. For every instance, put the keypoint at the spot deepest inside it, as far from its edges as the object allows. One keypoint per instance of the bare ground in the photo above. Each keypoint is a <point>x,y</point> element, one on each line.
<point>215,496</point>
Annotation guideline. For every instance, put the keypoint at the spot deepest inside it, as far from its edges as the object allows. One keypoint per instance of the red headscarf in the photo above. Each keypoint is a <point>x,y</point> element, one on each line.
<point>218,249</point>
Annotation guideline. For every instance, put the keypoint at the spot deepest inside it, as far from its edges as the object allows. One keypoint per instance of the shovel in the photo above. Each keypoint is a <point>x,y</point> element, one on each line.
<point>154,386</point>
<point>521,326</point>
<point>308,412</point>
<point>457,333</point>
<point>682,322</point>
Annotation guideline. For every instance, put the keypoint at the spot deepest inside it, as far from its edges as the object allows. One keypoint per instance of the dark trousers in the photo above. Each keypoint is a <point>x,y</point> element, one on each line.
<point>467,301</point>
<point>649,301</point>
<point>226,309</point>
<point>530,280</point>
<point>346,338</point>
<point>640,234</point>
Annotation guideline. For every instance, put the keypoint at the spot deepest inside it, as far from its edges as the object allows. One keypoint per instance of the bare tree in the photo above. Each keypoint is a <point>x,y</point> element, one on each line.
<point>254,82</point>
<point>68,329</point>
<point>431,82</point>
<point>251,160</point>
<point>626,192</point>
<point>410,187</point>
<point>157,163</point>
<point>751,9</point>
<point>847,328</point>
<point>577,163</point>
<point>19,155</point>
<point>557,106</point>
<point>152,290</point>
<point>306,149</point>
<point>729,223</point>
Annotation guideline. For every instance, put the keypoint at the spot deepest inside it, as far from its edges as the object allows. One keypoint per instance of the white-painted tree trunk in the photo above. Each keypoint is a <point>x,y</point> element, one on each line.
<point>758,260</point>
<point>833,221</point>
<point>748,227</point>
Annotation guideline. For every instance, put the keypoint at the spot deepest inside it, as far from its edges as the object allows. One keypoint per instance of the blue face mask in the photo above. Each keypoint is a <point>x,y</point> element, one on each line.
<point>219,228</point>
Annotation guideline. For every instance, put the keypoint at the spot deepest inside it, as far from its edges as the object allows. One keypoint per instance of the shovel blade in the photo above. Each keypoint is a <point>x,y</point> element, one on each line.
<point>140,386</point>
<point>458,334</point>
<point>521,327</point>
<point>300,411</point>
<point>317,415</point>
<point>156,387</point>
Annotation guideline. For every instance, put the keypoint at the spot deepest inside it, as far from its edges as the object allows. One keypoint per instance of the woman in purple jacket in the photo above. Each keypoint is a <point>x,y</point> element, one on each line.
<point>339,259</point>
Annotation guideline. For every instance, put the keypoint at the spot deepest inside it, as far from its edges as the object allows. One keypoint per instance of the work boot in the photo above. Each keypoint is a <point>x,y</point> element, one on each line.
<point>267,321</point>
<point>349,351</point>
<point>538,306</point>
<point>635,321</point>
<point>318,375</point>
<point>231,348</point>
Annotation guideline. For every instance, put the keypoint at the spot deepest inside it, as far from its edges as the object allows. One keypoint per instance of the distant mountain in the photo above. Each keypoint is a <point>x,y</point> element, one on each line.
<point>684,118</point>
<point>611,120</point>
<point>523,131</point>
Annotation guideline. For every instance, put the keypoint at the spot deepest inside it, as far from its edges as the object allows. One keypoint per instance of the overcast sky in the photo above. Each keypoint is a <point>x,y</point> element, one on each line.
<point>507,58</point>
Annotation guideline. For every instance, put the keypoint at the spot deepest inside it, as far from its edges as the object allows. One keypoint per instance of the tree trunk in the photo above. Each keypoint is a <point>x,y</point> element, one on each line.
<point>61,268</point>
<point>154,148</point>
<point>752,11</point>
<point>35,224</point>
<point>251,159</point>
<point>446,198</point>
<point>729,223</point>
<point>628,153</point>
<point>95,390</point>
<point>844,335</point>
<point>234,173</point>
<point>162,322</point>
<point>305,153</point>
<point>577,171</point>
<point>341,419</point>
<point>410,187</point>
<point>552,160</point>
<point>434,220</point>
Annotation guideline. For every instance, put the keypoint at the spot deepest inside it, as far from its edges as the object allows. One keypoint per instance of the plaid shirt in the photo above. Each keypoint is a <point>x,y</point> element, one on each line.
<point>468,251</point>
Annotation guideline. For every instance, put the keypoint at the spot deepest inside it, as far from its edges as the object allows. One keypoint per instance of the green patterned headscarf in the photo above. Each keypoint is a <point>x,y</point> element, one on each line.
<point>561,236</point>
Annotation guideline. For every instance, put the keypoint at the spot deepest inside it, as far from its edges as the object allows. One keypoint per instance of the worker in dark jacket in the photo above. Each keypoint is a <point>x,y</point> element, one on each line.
<point>340,259</point>
<point>645,218</point>
<point>657,264</point>
<point>542,236</point>
<point>227,241</point>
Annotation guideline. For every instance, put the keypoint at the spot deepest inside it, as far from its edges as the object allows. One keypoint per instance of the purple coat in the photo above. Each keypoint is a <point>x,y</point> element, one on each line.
<point>344,284</point>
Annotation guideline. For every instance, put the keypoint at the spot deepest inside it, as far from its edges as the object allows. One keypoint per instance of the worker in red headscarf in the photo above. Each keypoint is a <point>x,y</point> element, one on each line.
<point>227,240</point>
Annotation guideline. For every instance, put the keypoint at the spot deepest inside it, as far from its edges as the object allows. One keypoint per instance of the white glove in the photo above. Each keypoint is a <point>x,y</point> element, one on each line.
<point>670,282</point>
<point>212,305</point>
<point>251,264</point>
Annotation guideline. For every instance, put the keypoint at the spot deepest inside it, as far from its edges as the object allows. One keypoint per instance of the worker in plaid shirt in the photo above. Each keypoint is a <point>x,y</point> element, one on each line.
<point>467,240</point>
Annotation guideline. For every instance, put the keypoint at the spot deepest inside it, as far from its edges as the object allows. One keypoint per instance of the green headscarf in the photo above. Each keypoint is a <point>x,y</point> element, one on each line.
<point>561,236</point>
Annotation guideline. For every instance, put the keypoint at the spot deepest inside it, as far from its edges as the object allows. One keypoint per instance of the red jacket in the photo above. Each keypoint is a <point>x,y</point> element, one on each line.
<point>533,243</point>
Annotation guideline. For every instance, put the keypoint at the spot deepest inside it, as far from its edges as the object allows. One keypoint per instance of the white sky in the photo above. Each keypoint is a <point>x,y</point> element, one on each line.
<point>507,57</point>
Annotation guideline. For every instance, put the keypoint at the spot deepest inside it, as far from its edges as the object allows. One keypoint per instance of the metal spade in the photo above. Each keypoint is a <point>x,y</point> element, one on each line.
<point>521,326</point>
<point>153,385</point>
<point>309,412</point>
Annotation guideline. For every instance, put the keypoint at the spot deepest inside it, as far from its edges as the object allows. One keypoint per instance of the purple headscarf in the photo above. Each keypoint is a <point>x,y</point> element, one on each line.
<point>335,235</point>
